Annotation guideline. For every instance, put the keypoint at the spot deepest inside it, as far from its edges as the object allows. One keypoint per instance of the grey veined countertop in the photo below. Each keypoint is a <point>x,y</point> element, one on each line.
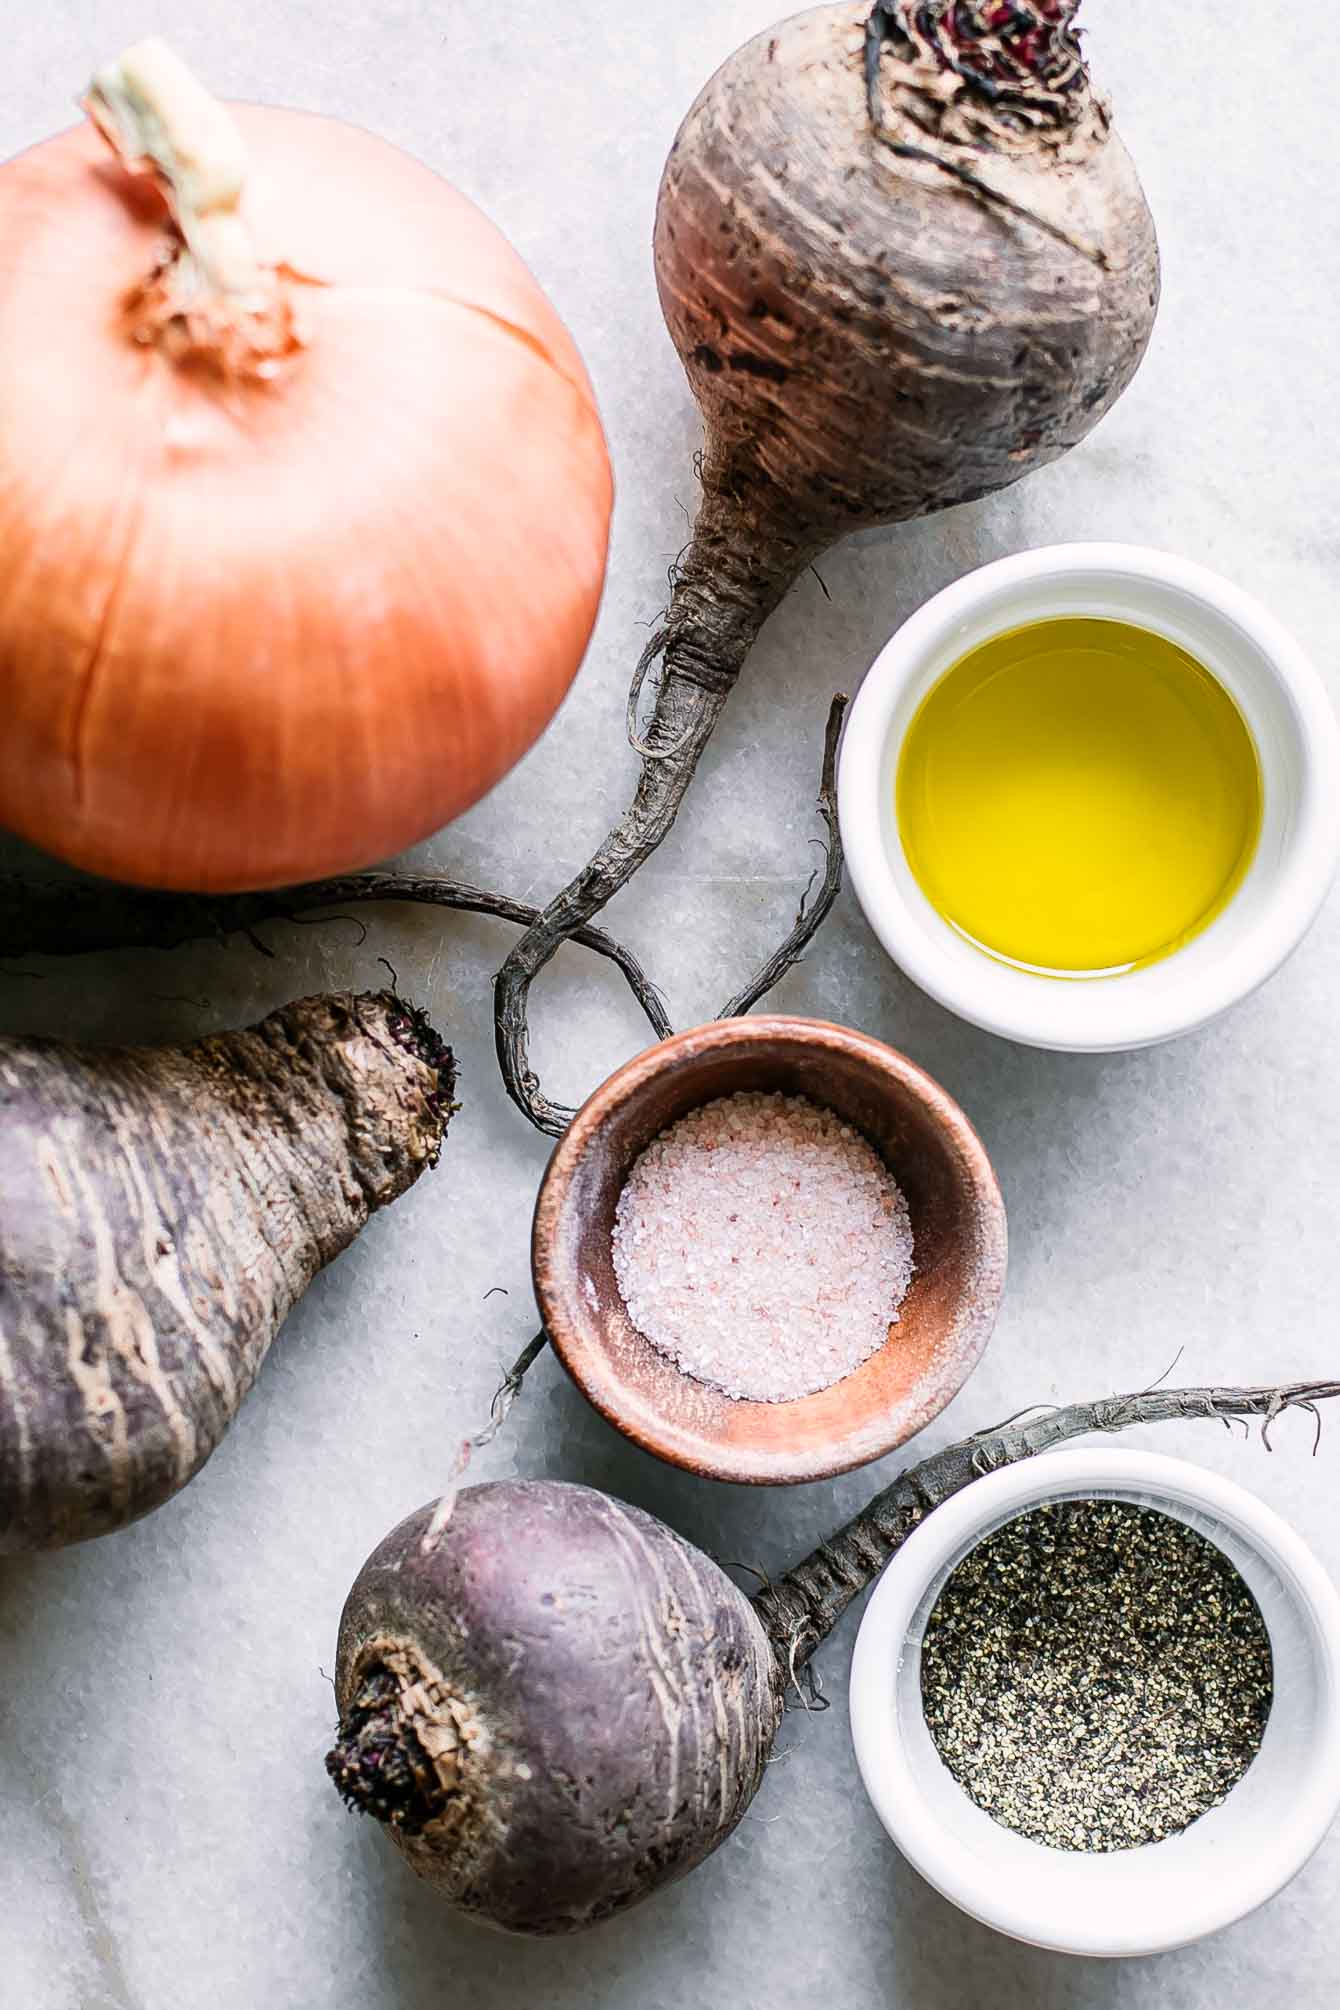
<point>169,1839</point>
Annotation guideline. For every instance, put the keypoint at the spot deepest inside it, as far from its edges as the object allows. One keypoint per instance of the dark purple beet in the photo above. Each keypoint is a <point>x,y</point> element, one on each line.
<point>554,1707</point>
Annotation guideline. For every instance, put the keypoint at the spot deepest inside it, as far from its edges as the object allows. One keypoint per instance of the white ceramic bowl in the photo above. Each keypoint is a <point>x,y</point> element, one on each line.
<point>1139,1901</point>
<point>1292,722</point>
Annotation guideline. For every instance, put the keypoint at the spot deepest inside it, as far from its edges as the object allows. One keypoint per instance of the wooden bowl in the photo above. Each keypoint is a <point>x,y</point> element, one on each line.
<point>958,1226</point>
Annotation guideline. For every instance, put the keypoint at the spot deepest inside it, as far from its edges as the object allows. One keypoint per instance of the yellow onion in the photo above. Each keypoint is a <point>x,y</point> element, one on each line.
<point>304,498</point>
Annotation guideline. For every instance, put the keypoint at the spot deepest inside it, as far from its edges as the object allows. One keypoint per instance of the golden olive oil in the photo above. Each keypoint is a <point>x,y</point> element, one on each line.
<point>1080,797</point>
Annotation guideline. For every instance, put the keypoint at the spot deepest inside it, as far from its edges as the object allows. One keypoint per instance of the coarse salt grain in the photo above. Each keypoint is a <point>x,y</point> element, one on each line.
<point>763,1245</point>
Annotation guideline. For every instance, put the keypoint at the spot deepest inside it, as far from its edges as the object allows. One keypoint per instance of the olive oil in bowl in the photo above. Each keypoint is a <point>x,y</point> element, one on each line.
<point>1079,797</point>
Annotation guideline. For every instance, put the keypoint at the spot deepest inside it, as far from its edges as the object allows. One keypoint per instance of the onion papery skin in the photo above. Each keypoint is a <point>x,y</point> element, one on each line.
<point>259,629</point>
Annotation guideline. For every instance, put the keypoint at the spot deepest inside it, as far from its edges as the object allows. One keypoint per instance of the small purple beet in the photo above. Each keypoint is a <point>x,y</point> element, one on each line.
<point>555,1705</point>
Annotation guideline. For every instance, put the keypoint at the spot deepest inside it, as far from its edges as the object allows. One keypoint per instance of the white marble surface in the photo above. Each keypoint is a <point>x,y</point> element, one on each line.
<point>168,1838</point>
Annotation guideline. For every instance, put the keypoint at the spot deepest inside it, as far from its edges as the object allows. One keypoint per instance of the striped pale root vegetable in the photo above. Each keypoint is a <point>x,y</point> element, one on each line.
<point>556,1705</point>
<point>905,260</point>
<point>161,1211</point>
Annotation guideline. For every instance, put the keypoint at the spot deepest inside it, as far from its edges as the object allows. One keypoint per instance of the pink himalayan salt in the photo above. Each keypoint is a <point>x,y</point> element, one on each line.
<point>763,1245</point>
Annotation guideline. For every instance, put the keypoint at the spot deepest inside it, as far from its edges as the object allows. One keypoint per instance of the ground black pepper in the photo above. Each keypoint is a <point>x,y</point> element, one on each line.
<point>1096,1675</point>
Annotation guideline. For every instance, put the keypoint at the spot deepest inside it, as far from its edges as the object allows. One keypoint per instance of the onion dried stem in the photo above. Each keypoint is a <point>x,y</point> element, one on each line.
<point>210,299</point>
<point>156,115</point>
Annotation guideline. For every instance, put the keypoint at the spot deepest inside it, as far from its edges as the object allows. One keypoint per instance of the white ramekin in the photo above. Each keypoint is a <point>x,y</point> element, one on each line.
<point>1292,722</point>
<point>1131,1902</point>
